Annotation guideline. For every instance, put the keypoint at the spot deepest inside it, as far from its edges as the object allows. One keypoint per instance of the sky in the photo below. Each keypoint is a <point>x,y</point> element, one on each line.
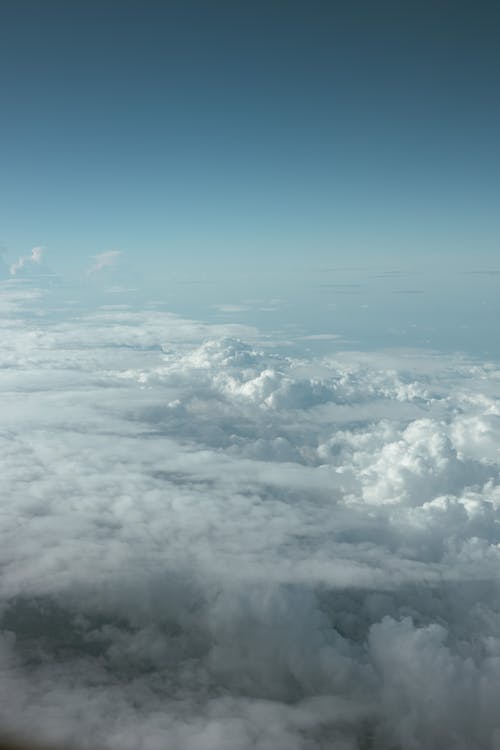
<point>269,137</point>
<point>250,375</point>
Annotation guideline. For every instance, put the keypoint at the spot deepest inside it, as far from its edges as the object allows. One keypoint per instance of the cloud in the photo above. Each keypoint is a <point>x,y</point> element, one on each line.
<point>230,308</point>
<point>25,261</point>
<point>206,543</point>
<point>104,260</point>
<point>321,337</point>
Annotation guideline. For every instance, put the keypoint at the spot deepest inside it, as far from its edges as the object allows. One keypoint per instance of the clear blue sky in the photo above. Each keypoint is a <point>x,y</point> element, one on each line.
<point>205,132</point>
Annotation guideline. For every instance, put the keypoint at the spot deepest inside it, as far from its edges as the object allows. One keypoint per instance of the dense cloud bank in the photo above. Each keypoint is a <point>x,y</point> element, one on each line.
<point>208,545</point>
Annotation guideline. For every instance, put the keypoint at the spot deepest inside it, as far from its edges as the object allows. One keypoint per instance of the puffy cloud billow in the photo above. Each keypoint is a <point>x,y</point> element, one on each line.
<point>208,545</point>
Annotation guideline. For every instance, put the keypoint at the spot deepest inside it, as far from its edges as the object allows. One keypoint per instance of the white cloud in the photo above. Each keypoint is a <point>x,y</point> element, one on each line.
<point>35,258</point>
<point>104,260</point>
<point>207,544</point>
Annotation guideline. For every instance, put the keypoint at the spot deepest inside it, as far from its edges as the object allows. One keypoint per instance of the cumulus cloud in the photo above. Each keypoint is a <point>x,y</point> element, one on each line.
<point>103,260</point>
<point>206,543</point>
<point>26,261</point>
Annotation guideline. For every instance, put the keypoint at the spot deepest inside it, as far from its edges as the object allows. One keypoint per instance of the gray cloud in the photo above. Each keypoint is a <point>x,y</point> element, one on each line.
<point>208,544</point>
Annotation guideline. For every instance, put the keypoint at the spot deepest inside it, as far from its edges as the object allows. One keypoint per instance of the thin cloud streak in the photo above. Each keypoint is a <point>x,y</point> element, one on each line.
<point>103,260</point>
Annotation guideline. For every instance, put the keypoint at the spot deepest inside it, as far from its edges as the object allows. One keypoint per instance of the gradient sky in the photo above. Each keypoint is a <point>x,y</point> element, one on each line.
<point>209,133</point>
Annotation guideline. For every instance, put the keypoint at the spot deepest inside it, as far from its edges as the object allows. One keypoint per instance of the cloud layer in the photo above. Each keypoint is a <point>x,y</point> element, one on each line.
<point>206,544</point>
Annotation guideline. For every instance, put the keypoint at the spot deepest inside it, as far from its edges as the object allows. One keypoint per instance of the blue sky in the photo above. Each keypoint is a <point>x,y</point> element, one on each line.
<point>221,135</point>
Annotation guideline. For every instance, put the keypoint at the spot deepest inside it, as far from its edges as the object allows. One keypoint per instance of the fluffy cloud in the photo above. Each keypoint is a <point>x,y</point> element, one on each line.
<point>208,544</point>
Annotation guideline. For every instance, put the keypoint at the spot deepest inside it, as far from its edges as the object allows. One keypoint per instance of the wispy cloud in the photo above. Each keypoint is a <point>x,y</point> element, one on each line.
<point>104,260</point>
<point>321,337</point>
<point>35,257</point>
<point>230,308</point>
